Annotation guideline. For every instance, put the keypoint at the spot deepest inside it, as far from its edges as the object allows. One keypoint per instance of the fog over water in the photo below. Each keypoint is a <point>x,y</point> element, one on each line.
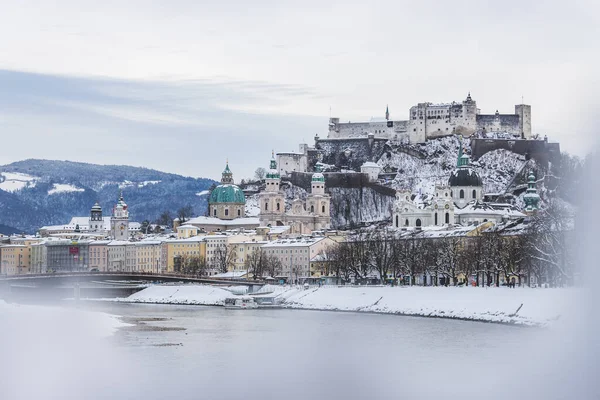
<point>258,354</point>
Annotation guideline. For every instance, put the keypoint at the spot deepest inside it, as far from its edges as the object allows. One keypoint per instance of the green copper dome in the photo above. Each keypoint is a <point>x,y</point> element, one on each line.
<point>227,194</point>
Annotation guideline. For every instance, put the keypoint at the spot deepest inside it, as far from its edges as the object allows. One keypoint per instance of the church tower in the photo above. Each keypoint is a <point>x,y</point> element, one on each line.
<point>271,201</point>
<point>119,222</point>
<point>531,198</point>
<point>96,221</point>
<point>318,203</point>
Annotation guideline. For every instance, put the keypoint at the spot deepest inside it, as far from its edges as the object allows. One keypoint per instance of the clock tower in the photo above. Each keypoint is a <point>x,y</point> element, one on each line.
<point>119,222</point>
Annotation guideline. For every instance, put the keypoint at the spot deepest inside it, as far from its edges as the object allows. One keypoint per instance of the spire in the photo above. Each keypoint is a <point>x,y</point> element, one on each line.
<point>273,172</point>
<point>387,113</point>
<point>463,159</point>
<point>227,176</point>
<point>531,197</point>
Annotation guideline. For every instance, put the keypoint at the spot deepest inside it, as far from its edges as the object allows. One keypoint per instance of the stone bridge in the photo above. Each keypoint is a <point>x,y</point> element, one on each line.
<point>98,284</point>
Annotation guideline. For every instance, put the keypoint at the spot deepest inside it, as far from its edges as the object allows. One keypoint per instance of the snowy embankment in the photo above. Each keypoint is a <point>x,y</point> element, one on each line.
<point>58,320</point>
<point>180,294</point>
<point>520,306</point>
<point>502,305</point>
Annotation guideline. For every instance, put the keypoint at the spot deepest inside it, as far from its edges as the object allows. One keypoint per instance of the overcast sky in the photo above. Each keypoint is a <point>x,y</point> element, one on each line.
<point>181,86</point>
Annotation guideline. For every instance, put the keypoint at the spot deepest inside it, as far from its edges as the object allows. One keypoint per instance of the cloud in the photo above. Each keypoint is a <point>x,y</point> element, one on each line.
<point>188,127</point>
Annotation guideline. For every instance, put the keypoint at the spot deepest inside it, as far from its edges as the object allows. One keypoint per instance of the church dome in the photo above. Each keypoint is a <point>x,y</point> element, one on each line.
<point>227,194</point>
<point>464,177</point>
<point>96,207</point>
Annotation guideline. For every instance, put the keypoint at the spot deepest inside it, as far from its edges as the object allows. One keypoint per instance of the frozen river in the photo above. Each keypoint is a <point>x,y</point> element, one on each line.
<point>195,352</point>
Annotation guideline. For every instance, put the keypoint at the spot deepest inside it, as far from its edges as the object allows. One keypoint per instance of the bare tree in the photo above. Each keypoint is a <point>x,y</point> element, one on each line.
<point>273,266</point>
<point>357,255</point>
<point>255,263</point>
<point>165,219</point>
<point>547,244</point>
<point>450,253</point>
<point>382,256</point>
<point>185,213</point>
<point>222,258</point>
<point>260,173</point>
<point>193,265</point>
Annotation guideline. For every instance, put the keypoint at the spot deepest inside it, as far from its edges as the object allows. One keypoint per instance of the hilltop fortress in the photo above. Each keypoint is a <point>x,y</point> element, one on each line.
<point>428,121</point>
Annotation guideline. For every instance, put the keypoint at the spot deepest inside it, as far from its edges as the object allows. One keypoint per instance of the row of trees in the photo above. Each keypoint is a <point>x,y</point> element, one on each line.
<point>537,251</point>
<point>258,264</point>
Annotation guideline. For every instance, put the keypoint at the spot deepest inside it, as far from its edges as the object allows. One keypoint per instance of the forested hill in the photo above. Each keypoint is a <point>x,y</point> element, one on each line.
<point>34,193</point>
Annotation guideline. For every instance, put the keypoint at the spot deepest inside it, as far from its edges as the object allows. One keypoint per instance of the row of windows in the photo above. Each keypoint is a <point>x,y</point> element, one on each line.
<point>418,222</point>
<point>462,194</point>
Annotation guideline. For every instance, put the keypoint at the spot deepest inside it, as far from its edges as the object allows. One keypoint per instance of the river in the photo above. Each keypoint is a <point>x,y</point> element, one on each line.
<point>194,352</point>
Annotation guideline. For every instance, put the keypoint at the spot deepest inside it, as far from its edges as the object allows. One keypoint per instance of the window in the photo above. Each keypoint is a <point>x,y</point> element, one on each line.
<point>322,209</point>
<point>278,206</point>
<point>396,221</point>
<point>447,218</point>
<point>312,209</point>
<point>474,193</point>
<point>215,212</point>
<point>436,219</point>
<point>239,213</point>
<point>266,206</point>
<point>462,194</point>
<point>418,223</point>
<point>226,211</point>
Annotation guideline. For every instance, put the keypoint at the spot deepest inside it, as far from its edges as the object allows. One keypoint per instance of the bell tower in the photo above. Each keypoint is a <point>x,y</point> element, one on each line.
<point>119,221</point>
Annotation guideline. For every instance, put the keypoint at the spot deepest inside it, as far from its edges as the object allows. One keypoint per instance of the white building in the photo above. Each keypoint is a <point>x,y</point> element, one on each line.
<point>371,169</point>
<point>428,120</point>
<point>304,217</point>
<point>295,254</point>
<point>461,202</point>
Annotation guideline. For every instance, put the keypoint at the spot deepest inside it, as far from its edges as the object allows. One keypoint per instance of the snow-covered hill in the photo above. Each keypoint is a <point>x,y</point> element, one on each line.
<point>34,193</point>
<point>496,168</point>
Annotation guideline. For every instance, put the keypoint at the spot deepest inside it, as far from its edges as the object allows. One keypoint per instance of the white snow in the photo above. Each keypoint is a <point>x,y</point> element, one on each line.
<point>203,193</point>
<point>45,318</point>
<point>13,181</point>
<point>146,183</point>
<point>540,306</point>
<point>64,188</point>
<point>180,294</point>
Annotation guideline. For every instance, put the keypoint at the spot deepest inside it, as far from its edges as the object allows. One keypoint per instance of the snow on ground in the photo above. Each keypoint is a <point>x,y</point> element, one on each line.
<point>64,188</point>
<point>203,193</point>
<point>80,322</point>
<point>496,168</point>
<point>146,183</point>
<point>180,294</point>
<point>252,207</point>
<point>13,181</point>
<point>540,306</point>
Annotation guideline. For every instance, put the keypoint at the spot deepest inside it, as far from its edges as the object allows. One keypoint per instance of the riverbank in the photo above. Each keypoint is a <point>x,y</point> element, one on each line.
<point>48,319</point>
<point>519,306</point>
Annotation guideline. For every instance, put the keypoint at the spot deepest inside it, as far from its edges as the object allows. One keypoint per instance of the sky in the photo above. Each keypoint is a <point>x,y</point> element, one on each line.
<point>182,86</point>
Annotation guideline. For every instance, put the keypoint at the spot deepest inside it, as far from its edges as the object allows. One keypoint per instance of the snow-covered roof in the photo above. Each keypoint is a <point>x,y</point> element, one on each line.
<point>302,242</point>
<point>187,226</point>
<point>230,274</point>
<point>226,222</point>
<point>479,208</point>
<point>371,164</point>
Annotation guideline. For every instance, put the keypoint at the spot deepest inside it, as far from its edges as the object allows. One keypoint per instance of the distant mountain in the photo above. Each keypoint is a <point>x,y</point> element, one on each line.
<point>34,193</point>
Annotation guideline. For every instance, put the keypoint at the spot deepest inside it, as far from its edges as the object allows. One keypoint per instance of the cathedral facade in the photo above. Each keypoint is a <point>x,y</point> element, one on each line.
<point>459,202</point>
<point>304,216</point>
